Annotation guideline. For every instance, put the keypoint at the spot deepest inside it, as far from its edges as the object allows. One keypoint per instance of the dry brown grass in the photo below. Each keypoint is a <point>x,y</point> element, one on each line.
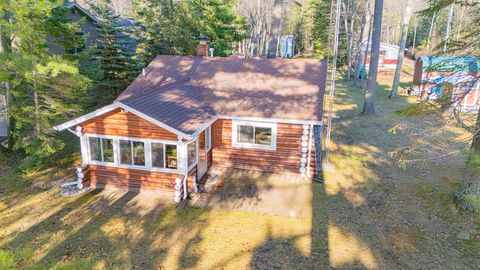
<point>368,214</point>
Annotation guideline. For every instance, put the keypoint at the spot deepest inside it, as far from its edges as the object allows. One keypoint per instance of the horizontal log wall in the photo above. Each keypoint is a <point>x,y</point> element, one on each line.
<point>285,159</point>
<point>131,179</point>
<point>119,123</point>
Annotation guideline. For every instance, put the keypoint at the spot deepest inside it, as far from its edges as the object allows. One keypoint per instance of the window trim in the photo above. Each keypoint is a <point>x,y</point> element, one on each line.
<point>148,154</point>
<point>132,152</point>
<point>235,143</point>
<point>90,160</point>
<point>164,148</point>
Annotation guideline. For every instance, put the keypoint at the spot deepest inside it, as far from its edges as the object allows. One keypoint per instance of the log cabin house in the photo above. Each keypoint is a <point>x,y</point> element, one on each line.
<point>184,114</point>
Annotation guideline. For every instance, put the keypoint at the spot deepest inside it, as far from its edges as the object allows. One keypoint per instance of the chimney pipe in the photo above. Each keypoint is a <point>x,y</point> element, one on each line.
<point>202,47</point>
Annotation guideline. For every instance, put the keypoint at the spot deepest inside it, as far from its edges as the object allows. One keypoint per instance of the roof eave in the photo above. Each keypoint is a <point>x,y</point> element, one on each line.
<point>112,107</point>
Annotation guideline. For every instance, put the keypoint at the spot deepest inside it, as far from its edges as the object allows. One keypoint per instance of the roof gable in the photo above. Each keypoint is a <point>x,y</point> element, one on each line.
<point>114,106</point>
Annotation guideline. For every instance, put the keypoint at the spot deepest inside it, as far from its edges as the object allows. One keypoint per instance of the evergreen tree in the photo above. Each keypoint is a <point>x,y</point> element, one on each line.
<point>44,89</point>
<point>172,27</point>
<point>114,53</point>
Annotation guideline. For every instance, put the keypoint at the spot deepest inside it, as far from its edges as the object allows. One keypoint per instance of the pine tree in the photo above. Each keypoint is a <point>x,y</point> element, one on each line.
<point>172,27</point>
<point>45,89</point>
<point>114,53</point>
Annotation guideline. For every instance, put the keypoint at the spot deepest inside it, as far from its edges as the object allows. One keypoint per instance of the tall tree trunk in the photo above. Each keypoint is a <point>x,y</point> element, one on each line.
<point>468,194</point>
<point>369,37</point>
<point>401,50</point>
<point>369,105</point>
<point>430,31</point>
<point>275,30</point>
<point>348,36</point>
<point>414,36</point>
<point>6,47</point>
<point>358,55</point>
<point>449,27</point>
<point>475,146</point>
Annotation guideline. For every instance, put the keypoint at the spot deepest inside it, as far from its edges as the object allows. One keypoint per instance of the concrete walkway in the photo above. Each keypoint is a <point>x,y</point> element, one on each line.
<point>243,190</point>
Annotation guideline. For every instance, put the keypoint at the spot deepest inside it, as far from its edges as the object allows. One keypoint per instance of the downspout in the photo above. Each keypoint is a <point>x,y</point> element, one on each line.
<point>309,150</point>
<point>185,186</point>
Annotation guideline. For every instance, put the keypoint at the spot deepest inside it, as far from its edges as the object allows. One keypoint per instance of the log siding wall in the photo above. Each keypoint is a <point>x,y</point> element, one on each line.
<point>131,179</point>
<point>122,124</point>
<point>285,159</point>
<point>119,123</point>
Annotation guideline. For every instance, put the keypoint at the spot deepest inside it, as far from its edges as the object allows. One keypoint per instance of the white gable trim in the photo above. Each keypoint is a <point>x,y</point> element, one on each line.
<point>112,107</point>
<point>273,120</point>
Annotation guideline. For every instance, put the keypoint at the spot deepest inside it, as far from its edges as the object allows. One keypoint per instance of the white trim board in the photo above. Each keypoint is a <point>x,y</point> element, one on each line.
<point>112,107</point>
<point>273,120</point>
<point>116,153</point>
<point>272,126</point>
<point>117,105</point>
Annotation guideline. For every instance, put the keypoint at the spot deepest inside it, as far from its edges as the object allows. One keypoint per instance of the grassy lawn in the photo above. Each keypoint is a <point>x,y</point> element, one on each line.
<point>368,214</point>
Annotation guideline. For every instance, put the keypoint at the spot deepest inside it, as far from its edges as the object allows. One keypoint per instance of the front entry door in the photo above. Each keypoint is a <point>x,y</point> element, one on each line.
<point>204,145</point>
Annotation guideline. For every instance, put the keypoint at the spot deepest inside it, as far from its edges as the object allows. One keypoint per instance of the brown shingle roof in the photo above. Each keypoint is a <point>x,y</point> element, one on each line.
<point>185,92</point>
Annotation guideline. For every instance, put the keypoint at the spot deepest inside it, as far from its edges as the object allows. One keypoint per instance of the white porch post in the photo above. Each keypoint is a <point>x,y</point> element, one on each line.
<point>182,165</point>
<point>182,158</point>
<point>84,149</point>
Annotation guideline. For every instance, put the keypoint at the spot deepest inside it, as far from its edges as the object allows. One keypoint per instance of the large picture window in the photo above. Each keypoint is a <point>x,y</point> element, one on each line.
<point>124,152</point>
<point>101,149</point>
<point>164,155</point>
<point>254,135</point>
<point>132,153</point>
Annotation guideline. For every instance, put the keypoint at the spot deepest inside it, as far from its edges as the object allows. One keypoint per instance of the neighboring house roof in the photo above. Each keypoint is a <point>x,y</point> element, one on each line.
<point>186,92</point>
<point>387,46</point>
<point>450,64</point>
<point>72,4</point>
<point>383,47</point>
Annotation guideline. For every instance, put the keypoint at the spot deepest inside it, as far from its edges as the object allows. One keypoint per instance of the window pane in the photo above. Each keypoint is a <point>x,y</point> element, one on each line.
<point>208,139</point>
<point>157,155</point>
<point>191,153</point>
<point>125,152</point>
<point>138,153</point>
<point>263,135</point>
<point>95,154</point>
<point>107,150</point>
<point>245,134</point>
<point>171,153</point>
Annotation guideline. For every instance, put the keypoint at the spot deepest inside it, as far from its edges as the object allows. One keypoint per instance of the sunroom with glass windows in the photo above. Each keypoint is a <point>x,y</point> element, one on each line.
<point>134,153</point>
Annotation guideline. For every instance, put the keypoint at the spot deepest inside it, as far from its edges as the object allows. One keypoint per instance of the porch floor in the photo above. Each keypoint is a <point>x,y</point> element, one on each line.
<point>254,191</point>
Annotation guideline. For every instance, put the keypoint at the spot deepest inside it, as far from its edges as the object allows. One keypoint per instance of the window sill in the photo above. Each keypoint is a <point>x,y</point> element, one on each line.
<point>135,167</point>
<point>255,146</point>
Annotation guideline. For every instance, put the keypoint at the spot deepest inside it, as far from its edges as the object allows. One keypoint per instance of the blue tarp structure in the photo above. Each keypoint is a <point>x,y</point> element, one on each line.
<point>287,46</point>
<point>450,64</point>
